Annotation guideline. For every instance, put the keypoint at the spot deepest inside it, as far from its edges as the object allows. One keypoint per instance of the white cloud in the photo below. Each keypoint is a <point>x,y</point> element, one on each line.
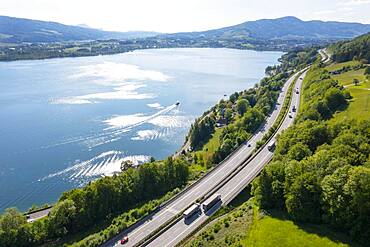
<point>110,72</point>
<point>155,105</point>
<point>126,91</point>
<point>174,15</point>
<point>354,2</point>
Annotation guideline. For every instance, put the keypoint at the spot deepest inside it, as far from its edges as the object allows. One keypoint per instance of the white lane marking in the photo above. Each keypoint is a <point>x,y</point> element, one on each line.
<point>249,173</point>
<point>181,233</point>
<point>281,96</point>
<point>258,166</point>
<point>172,210</point>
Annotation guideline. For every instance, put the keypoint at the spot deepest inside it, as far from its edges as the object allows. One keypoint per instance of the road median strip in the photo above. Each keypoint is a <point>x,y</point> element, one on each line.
<point>168,224</point>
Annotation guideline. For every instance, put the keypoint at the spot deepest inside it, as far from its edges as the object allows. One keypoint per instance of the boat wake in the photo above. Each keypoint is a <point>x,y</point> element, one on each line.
<point>119,125</point>
<point>104,164</point>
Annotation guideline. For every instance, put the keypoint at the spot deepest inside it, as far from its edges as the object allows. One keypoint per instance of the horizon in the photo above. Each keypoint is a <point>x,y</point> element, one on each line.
<point>167,16</point>
<point>84,25</point>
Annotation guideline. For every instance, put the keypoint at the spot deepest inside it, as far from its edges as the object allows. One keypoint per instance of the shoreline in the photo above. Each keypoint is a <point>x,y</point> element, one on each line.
<point>133,50</point>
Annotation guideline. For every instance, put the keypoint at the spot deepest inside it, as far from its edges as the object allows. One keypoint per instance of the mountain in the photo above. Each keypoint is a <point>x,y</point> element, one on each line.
<point>18,30</point>
<point>285,28</point>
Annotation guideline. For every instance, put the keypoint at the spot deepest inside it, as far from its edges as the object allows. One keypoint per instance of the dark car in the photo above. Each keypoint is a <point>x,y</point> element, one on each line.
<point>124,240</point>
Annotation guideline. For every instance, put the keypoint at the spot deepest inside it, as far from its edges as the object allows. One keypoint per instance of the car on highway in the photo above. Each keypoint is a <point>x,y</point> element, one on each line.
<point>290,116</point>
<point>271,146</point>
<point>124,240</point>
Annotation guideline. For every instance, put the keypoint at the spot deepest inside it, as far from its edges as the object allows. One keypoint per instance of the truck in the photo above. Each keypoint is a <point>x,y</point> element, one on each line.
<point>271,145</point>
<point>195,208</point>
<point>211,201</point>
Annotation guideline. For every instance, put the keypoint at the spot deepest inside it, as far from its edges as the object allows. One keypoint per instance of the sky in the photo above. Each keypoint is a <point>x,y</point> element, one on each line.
<point>181,15</point>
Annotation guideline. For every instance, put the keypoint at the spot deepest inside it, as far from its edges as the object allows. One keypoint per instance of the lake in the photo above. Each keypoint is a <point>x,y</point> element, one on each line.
<point>67,121</point>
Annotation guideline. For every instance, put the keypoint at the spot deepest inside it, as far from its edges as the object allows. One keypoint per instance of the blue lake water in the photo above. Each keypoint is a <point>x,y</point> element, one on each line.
<point>65,122</point>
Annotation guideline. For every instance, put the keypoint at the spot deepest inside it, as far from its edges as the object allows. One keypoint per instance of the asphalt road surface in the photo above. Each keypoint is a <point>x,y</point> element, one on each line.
<point>139,232</point>
<point>237,183</point>
<point>232,188</point>
<point>38,215</point>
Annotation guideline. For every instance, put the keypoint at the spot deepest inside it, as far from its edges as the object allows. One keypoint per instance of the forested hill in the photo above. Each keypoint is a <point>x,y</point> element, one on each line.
<point>320,173</point>
<point>17,30</point>
<point>285,28</point>
<point>357,49</point>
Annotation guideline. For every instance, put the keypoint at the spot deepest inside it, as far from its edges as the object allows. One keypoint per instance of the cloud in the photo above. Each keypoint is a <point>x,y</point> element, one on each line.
<point>125,91</point>
<point>329,13</point>
<point>155,105</point>
<point>324,12</point>
<point>354,2</point>
<point>110,72</point>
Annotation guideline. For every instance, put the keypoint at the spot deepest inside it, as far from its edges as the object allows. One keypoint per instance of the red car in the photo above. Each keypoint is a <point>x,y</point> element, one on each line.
<point>124,240</point>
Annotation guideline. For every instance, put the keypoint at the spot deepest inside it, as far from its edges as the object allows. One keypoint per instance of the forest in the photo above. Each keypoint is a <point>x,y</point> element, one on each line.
<point>103,199</point>
<point>357,49</point>
<point>321,168</point>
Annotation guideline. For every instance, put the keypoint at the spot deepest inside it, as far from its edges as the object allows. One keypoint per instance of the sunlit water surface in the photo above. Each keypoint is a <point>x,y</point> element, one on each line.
<point>65,122</point>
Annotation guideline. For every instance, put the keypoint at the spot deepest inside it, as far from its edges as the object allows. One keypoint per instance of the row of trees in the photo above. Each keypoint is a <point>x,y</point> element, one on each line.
<point>252,108</point>
<point>245,111</point>
<point>201,131</point>
<point>321,169</point>
<point>101,200</point>
<point>358,49</point>
<point>321,174</point>
<point>322,95</point>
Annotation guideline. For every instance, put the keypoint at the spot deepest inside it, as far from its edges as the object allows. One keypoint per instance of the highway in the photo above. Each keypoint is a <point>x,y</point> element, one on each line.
<point>232,188</point>
<point>177,232</point>
<point>38,214</point>
<point>324,55</point>
<point>202,186</point>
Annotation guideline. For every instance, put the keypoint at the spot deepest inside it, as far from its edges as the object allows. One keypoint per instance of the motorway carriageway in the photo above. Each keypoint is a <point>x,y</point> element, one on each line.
<point>202,186</point>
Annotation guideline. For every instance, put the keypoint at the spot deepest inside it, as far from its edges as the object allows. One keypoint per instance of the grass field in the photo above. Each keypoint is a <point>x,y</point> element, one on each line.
<point>274,231</point>
<point>359,105</point>
<point>246,226</point>
<point>347,77</point>
<point>196,170</point>
<point>227,230</point>
<point>209,148</point>
<point>336,66</point>
<point>213,143</point>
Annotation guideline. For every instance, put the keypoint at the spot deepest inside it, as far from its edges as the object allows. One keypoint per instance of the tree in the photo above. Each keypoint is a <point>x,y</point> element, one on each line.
<point>346,200</point>
<point>242,106</point>
<point>269,187</point>
<point>12,219</point>
<point>303,198</point>
<point>335,202</point>
<point>228,114</point>
<point>299,151</point>
<point>126,164</point>
<point>11,223</point>
<point>367,72</point>
<point>358,188</point>
<point>355,81</point>
<point>61,217</point>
